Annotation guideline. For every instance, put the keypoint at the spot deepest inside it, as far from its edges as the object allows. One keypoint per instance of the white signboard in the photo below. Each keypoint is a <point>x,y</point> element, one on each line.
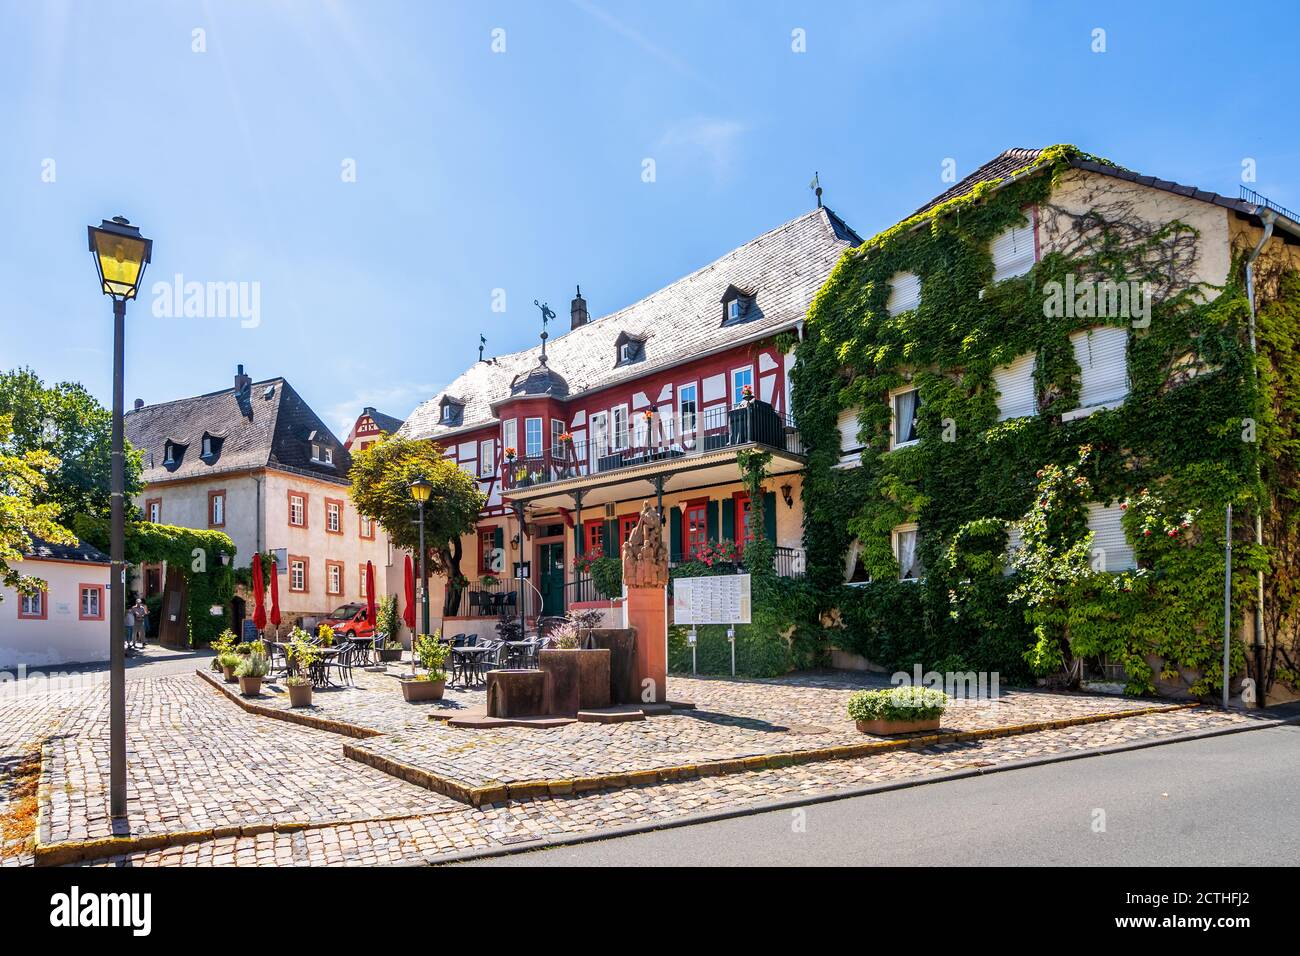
<point>715,599</point>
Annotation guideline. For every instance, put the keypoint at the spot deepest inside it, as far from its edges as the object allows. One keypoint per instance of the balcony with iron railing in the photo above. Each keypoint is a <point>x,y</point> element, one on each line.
<point>654,442</point>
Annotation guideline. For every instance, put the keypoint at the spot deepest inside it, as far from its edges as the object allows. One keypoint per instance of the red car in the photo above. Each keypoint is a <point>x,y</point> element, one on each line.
<point>350,621</point>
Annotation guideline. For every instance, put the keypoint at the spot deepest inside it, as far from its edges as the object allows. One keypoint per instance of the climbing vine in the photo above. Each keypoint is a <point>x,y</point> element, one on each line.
<point>1176,451</point>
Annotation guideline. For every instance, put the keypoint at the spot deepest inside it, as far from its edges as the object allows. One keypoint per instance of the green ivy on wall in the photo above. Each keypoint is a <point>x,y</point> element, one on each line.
<point>1174,448</point>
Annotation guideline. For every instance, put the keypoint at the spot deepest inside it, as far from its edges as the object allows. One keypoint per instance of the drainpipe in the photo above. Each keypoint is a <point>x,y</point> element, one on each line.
<point>1268,217</point>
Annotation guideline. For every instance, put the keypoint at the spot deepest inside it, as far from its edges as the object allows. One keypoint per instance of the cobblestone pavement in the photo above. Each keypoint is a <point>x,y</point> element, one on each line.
<point>733,719</point>
<point>196,761</point>
<point>516,823</point>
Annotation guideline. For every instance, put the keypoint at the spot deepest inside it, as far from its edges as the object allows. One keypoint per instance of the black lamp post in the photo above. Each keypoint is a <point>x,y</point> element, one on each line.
<point>421,489</point>
<point>120,254</point>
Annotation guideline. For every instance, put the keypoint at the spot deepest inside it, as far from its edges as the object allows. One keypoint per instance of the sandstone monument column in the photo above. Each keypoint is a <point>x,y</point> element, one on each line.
<point>645,573</point>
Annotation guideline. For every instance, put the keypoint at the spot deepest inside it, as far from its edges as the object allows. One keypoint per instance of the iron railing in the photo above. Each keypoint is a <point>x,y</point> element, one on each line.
<point>651,438</point>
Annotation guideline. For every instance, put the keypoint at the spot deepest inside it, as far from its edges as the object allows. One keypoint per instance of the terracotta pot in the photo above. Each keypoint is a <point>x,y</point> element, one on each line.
<point>229,674</point>
<point>887,728</point>
<point>420,689</point>
<point>250,686</point>
<point>300,695</point>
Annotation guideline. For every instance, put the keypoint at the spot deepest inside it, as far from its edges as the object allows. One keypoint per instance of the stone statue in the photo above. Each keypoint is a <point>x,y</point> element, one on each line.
<point>645,556</point>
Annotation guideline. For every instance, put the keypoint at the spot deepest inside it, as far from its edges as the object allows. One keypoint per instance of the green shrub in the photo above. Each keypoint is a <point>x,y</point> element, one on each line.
<point>254,665</point>
<point>898,703</point>
<point>229,659</point>
<point>433,656</point>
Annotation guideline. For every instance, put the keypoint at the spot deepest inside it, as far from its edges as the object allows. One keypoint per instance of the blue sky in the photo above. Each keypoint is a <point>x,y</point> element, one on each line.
<point>522,170</point>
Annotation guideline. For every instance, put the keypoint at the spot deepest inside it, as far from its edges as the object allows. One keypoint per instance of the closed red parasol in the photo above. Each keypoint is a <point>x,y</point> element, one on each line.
<point>275,593</point>
<point>408,613</point>
<point>370,595</point>
<point>259,611</point>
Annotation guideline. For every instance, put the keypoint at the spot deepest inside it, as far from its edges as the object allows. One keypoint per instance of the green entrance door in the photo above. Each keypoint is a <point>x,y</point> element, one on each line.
<point>550,577</point>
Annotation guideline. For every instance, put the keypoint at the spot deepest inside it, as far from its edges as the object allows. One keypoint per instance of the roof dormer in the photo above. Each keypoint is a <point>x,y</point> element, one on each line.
<point>173,453</point>
<point>737,305</point>
<point>628,349</point>
<point>210,446</point>
<point>451,411</point>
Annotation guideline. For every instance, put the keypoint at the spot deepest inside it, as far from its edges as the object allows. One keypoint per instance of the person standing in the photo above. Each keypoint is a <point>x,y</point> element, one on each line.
<point>139,623</point>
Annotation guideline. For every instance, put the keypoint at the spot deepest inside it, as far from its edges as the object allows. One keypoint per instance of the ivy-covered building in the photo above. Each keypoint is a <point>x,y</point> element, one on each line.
<point>1025,409</point>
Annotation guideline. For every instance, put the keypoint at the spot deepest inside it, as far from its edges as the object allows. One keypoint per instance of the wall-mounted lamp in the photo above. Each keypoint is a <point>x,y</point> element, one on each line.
<point>787,495</point>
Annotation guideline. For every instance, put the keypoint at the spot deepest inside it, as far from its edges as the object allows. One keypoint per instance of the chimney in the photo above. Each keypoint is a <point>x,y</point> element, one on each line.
<point>578,311</point>
<point>139,404</point>
<point>242,381</point>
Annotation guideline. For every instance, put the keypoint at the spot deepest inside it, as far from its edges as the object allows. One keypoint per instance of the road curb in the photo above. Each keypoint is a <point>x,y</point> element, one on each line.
<point>288,716</point>
<point>593,836</point>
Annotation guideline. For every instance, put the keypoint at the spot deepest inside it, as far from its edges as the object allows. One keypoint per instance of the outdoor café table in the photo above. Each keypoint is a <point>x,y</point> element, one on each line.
<point>365,647</point>
<point>463,657</point>
<point>517,651</point>
<point>320,671</point>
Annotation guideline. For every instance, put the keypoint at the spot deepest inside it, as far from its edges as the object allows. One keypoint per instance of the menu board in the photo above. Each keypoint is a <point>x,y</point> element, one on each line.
<point>714,599</point>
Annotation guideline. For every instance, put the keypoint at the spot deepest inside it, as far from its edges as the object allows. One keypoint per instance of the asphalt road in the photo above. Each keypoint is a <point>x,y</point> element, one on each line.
<point>1228,800</point>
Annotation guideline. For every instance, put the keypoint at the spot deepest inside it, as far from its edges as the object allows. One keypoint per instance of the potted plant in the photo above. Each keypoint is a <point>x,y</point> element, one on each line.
<point>301,656</point>
<point>250,672</point>
<point>432,655</point>
<point>326,635</point>
<point>223,643</point>
<point>228,662</point>
<point>897,710</point>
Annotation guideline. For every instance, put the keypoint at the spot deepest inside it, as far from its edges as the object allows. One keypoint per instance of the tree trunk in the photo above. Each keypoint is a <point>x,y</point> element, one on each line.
<point>451,603</point>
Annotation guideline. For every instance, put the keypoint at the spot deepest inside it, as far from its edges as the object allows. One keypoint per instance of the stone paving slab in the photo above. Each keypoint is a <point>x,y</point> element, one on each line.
<point>195,762</point>
<point>515,824</point>
<point>734,721</point>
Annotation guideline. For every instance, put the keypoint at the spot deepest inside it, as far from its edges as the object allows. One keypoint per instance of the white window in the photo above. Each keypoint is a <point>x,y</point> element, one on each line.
<point>850,444</point>
<point>487,458</point>
<point>599,429</point>
<point>733,309</point>
<point>155,511</point>
<point>532,437</point>
<point>688,407</point>
<point>90,597</point>
<point>367,527</point>
<point>448,413</point>
<point>619,430</point>
<point>31,605</point>
<point>1110,548</point>
<point>1015,542</point>
<point>1013,251</point>
<point>625,352</point>
<point>904,292</point>
<point>362,590</point>
<point>557,446</point>
<point>169,454</point>
<point>333,520</point>
<point>1101,354</point>
<point>218,509</point>
<point>297,575</point>
<point>855,571</point>
<point>296,510</point>
<point>907,553</point>
<point>510,434</point>
<point>336,579</point>
<point>328,451</point>
<point>315,451</point>
<point>207,447</point>
<point>906,404</point>
<point>1017,396</point>
<point>741,379</point>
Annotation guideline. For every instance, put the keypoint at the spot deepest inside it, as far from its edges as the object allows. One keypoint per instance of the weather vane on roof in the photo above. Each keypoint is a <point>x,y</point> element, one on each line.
<point>482,341</point>
<point>816,187</point>
<point>547,315</point>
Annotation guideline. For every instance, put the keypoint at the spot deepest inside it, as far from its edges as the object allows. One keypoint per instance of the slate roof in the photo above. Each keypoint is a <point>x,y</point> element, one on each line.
<point>82,553</point>
<point>1002,166</point>
<point>386,423</point>
<point>783,268</point>
<point>269,426</point>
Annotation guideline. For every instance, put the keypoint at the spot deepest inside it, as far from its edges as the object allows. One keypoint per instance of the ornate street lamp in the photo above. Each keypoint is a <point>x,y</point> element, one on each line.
<point>120,254</point>
<point>421,489</point>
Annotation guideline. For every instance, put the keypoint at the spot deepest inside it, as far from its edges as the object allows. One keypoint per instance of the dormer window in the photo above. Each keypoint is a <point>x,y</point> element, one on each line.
<point>322,453</point>
<point>628,348</point>
<point>210,446</point>
<point>207,446</point>
<point>736,305</point>
<point>451,411</point>
<point>169,454</point>
<point>448,414</point>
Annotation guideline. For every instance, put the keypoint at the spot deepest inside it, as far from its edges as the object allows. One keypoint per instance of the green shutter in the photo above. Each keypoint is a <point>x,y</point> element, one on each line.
<point>612,545</point>
<point>769,515</point>
<point>729,519</point>
<point>675,533</point>
<point>499,537</point>
<point>711,519</point>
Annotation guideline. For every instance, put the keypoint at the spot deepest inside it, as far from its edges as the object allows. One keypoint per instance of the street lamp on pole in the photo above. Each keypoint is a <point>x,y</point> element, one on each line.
<point>421,489</point>
<point>120,254</point>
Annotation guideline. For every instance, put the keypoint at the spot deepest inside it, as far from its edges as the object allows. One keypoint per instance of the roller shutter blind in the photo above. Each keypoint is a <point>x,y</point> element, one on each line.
<point>1116,554</point>
<point>1101,354</point>
<point>1015,384</point>
<point>850,445</point>
<point>1013,252</point>
<point>904,292</point>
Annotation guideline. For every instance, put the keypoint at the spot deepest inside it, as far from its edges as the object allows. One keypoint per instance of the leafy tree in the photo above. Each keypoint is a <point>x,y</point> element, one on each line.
<point>381,489</point>
<point>66,422</point>
<point>22,514</point>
